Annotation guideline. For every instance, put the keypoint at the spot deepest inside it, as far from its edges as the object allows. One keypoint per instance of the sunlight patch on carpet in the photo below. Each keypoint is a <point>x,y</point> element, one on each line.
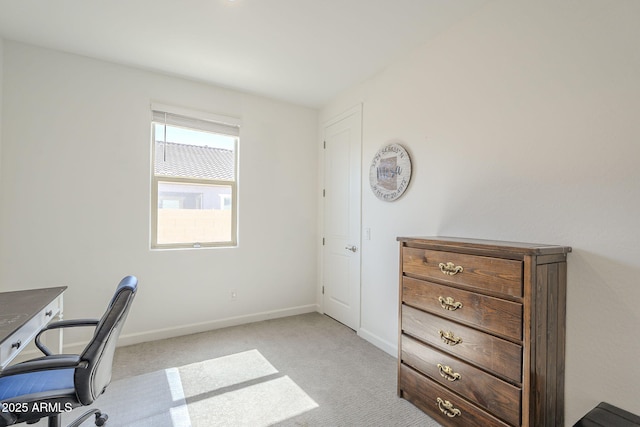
<point>226,371</point>
<point>155,399</point>
<point>242,389</point>
<point>178,410</point>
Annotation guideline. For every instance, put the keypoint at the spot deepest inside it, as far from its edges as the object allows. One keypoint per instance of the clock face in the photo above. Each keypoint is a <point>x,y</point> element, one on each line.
<point>390,172</point>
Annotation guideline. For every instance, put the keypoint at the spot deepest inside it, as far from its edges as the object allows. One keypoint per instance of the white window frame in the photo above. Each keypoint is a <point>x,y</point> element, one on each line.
<point>199,121</point>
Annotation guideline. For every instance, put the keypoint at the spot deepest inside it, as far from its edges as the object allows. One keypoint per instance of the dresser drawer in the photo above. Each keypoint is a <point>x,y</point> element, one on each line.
<point>481,388</point>
<point>478,272</point>
<point>487,351</point>
<point>443,405</point>
<point>492,314</point>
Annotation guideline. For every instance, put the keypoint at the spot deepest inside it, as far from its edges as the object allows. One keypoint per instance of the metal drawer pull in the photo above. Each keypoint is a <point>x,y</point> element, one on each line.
<point>447,408</point>
<point>16,344</point>
<point>49,313</point>
<point>449,303</point>
<point>447,373</point>
<point>449,338</point>
<point>450,268</point>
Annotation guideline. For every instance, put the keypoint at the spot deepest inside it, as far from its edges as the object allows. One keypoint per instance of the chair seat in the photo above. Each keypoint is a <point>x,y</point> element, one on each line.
<point>50,385</point>
<point>36,382</point>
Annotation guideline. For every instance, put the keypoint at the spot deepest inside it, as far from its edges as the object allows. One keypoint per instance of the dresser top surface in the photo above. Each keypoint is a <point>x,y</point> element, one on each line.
<point>460,244</point>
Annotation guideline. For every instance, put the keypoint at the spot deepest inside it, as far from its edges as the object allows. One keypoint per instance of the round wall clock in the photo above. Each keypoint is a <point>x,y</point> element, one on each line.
<point>390,172</point>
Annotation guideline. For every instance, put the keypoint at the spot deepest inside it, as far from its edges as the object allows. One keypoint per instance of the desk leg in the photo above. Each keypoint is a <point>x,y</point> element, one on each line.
<point>60,337</point>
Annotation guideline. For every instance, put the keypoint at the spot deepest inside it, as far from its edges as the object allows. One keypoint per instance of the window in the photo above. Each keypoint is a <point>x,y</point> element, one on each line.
<point>194,182</point>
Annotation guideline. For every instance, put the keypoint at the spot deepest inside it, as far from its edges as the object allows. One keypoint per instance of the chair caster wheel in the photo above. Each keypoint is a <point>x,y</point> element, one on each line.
<point>101,419</point>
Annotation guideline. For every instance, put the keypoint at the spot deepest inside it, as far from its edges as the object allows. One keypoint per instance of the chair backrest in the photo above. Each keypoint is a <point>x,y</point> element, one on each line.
<point>91,381</point>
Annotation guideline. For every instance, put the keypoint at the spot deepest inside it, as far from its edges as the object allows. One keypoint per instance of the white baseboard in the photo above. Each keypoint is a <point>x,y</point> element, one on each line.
<point>384,345</point>
<point>194,328</point>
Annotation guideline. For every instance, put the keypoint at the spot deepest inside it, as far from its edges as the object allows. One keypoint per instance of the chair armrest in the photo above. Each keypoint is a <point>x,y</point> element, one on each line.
<point>62,324</point>
<point>59,361</point>
<point>70,324</point>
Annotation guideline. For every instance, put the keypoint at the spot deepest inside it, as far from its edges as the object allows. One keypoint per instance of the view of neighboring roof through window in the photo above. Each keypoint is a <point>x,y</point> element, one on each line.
<point>194,182</point>
<point>194,154</point>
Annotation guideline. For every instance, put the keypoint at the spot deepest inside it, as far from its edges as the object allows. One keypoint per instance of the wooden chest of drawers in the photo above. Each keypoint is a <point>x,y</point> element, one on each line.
<point>482,330</point>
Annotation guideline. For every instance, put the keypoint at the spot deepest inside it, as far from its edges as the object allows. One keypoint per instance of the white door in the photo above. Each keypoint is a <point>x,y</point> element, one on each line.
<point>342,187</point>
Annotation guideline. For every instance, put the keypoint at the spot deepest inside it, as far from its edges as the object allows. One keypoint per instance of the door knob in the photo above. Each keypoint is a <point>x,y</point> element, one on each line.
<point>351,248</point>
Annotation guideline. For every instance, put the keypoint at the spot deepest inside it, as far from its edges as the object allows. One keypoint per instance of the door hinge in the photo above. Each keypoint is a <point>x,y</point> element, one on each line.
<point>324,192</point>
<point>324,145</point>
<point>323,241</point>
<point>323,290</point>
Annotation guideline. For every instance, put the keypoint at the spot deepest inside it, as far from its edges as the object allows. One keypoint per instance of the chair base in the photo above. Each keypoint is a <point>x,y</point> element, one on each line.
<point>56,420</point>
<point>100,420</point>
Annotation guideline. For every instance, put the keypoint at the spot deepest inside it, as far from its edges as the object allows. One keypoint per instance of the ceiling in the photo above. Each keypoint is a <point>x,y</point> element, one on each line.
<point>300,51</point>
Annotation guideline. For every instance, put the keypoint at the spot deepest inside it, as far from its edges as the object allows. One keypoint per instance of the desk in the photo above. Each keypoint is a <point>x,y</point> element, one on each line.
<point>22,315</point>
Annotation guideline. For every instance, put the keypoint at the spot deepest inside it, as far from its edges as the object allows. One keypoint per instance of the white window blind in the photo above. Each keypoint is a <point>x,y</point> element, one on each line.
<point>181,117</point>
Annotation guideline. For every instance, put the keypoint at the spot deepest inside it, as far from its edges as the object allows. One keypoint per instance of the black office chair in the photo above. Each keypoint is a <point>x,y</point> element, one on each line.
<point>50,385</point>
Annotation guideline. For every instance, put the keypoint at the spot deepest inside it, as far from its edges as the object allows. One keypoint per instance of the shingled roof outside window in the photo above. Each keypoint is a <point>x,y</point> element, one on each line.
<point>192,161</point>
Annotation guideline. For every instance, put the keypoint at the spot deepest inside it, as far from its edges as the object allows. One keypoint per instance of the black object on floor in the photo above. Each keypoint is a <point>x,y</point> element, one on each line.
<point>605,415</point>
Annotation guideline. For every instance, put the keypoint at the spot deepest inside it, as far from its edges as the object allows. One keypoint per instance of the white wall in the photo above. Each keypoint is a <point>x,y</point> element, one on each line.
<point>1,73</point>
<point>522,123</point>
<point>75,197</point>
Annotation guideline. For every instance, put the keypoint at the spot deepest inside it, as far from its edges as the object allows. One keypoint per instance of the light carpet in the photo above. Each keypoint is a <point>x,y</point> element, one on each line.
<point>303,370</point>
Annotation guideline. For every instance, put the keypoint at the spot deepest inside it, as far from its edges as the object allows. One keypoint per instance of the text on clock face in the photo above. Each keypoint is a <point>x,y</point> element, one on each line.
<point>390,172</point>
